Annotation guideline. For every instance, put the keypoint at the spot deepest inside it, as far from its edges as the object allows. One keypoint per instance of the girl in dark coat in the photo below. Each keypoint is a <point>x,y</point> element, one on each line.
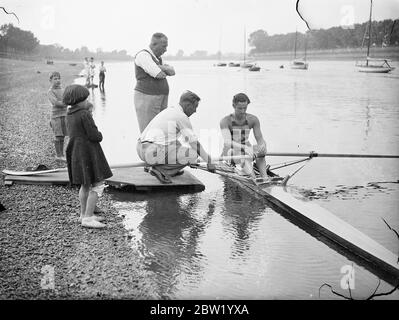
<point>87,164</point>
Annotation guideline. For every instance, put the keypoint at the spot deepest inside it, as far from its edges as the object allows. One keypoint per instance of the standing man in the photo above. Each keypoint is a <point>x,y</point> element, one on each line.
<point>168,143</point>
<point>152,89</point>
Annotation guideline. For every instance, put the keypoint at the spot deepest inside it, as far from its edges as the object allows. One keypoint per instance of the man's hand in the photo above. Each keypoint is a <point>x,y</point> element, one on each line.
<point>167,69</point>
<point>211,167</point>
<point>249,151</point>
<point>262,150</point>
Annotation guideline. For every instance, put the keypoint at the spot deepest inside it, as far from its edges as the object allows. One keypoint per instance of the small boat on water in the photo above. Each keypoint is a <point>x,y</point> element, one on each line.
<point>221,64</point>
<point>299,64</point>
<point>246,65</point>
<point>233,64</point>
<point>254,68</point>
<point>372,65</point>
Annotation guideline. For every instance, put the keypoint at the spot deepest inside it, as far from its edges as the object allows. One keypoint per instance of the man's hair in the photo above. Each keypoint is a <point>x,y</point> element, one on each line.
<point>188,96</point>
<point>241,97</point>
<point>156,37</point>
<point>74,94</point>
<point>54,74</point>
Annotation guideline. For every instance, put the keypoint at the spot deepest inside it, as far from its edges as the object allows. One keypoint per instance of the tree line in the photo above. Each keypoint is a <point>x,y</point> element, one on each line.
<point>383,33</point>
<point>15,42</point>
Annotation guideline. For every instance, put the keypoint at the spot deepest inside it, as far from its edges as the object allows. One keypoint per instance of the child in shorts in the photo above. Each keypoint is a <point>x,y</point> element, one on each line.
<point>58,114</point>
<point>87,165</point>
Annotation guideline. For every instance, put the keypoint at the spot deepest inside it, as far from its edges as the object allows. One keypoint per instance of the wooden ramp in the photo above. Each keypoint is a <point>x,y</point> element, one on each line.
<point>336,230</point>
<point>133,178</point>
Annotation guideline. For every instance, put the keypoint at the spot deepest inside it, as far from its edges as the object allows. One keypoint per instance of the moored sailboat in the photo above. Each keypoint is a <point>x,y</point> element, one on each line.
<point>373,65</point>
<point>299,63</point>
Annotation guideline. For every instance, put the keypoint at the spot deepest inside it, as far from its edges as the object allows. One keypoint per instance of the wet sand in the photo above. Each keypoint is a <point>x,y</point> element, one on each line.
<point>39,232</point>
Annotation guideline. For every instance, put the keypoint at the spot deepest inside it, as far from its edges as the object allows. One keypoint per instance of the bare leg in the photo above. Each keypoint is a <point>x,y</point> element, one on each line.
<point>83,195</point>
<point>261,165</point>
<point>91,204</point>
<point>57,148</point>
<point>248,169</point>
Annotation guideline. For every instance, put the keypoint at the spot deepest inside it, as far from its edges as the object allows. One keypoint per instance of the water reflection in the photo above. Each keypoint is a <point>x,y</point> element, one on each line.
<point>169,235</point>
<point>103,98</point>
<point>240,217</point>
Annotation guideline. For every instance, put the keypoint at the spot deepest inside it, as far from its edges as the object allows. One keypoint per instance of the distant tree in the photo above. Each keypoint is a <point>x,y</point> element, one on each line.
<point>384,33</point>
<point>16,39</point>
<point>258,39</point>
<point>199,54</point>
<point>180,53</point>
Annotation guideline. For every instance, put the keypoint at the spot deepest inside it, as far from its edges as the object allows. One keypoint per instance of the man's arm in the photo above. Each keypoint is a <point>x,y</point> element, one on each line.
<point>259,137</point>
<point>144,60</point>
<point>167,69</point>
<point>196,145</point>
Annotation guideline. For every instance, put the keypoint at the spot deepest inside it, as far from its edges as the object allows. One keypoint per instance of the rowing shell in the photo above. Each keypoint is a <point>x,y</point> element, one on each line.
<point>341,233</point>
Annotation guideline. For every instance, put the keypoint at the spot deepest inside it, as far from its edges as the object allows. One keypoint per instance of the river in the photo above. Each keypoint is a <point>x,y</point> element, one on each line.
<point>225,242</point>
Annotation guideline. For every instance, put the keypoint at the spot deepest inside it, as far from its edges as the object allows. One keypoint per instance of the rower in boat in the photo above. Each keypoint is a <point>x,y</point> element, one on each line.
<point>236,128</point>
<point>168,143</point>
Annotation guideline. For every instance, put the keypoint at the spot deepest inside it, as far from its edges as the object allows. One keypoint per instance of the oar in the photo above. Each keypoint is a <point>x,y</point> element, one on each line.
<point>214,159</point>
<point>330,155</point>
<point>113,166</point>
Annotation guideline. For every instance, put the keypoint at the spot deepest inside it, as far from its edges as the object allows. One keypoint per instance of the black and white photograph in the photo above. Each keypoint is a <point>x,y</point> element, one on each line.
<point>225,151</point>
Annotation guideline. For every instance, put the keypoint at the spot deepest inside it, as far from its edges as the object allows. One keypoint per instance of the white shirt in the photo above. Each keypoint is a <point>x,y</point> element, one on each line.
<point>143,59</point>
<point>168,126</point>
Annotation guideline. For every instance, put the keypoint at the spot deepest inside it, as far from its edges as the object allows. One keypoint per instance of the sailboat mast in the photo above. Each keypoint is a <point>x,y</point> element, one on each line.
<point>245,43</point>
<point>369,31</point>
<point>296,34</point>
<point>305,45</point>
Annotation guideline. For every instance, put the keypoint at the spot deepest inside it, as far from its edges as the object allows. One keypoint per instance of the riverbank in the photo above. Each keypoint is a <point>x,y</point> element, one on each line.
<point>354,54</point>
<point>390,53</point>
<point>39,233</point>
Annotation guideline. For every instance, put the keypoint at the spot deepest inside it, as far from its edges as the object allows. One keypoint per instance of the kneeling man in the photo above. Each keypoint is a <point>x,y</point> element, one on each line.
<point>168,143</point>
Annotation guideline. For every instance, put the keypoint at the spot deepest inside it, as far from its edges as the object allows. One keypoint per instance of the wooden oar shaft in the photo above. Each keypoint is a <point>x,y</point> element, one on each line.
<point>217,159</point>
<point>330,155</point>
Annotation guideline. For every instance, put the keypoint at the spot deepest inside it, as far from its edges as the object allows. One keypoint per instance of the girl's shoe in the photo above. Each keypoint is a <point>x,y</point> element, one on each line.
<point>63,159</point>
<point>91,222</point>
<point>95,217</point>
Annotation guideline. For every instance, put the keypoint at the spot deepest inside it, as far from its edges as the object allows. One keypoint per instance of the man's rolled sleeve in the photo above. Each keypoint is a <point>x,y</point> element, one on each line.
<point>144,60</point>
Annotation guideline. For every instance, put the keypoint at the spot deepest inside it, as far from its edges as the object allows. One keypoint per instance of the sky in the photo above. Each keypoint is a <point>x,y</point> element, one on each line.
<point>190,25</point>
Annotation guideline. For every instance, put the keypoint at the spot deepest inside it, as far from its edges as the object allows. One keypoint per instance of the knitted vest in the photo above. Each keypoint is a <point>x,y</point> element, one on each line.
<point>149,85</point>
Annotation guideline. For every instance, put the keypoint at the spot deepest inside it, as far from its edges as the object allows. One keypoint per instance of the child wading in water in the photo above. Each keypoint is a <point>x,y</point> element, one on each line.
<point>102,76</point>
<point>87,164</point>
<point>58,114</point>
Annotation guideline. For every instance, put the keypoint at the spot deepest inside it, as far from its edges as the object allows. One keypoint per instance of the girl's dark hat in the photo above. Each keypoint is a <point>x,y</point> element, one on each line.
<point>74,94</point>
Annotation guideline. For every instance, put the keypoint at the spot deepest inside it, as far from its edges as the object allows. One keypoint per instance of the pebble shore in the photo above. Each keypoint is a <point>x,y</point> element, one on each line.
<point>44,251</point>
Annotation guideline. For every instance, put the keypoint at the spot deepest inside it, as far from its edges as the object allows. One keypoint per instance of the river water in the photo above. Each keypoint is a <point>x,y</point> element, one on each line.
<point>225,242</point>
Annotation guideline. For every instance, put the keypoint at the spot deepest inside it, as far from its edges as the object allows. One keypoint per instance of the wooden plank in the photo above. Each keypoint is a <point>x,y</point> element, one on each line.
<point>122,177</point>
<point>142,180</point>
<point>335,228</point>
